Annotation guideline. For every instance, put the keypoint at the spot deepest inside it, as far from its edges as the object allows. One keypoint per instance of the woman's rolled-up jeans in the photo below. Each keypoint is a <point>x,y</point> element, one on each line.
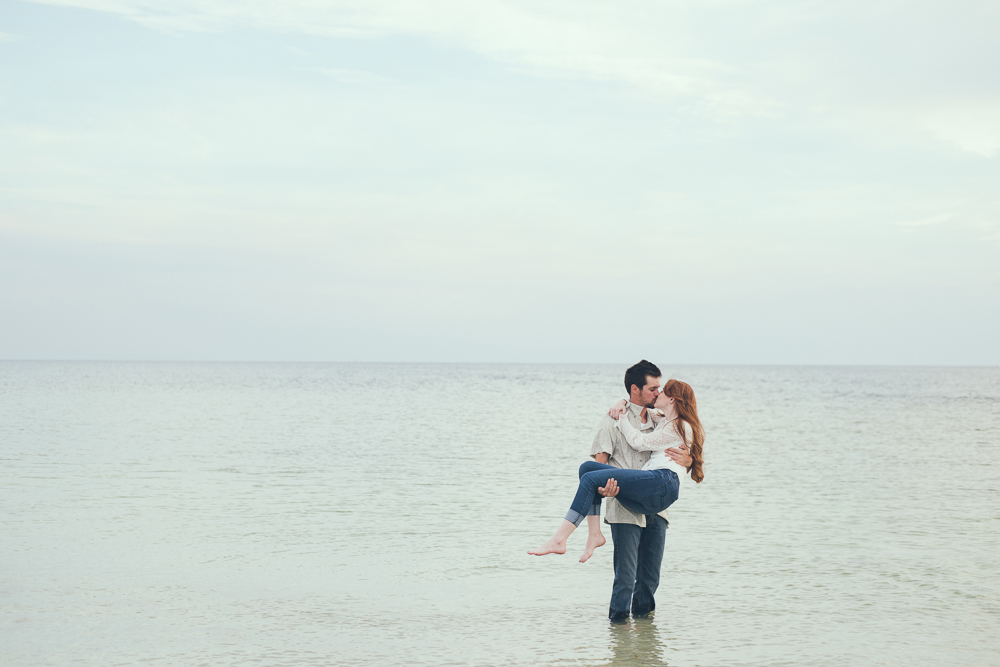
<point>642,491</point>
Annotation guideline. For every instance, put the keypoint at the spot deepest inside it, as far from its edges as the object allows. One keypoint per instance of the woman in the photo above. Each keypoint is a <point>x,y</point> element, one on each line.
<point>649,490</point>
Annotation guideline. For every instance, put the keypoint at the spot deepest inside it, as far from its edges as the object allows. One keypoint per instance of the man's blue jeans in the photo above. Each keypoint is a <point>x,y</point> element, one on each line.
<point>638,556</point>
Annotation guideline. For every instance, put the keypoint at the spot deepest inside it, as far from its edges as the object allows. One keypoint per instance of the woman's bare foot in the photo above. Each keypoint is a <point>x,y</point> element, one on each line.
<point>593,542</point>
<point>553,546</point>
<point>556,543</point>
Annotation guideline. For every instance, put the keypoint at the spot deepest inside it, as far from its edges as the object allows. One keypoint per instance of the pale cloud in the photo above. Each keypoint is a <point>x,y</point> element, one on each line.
<point>925,222</point>
<point>569,40</point>
<point>34,134</point>
<point>353,76</point>
<point>825,63</point>
<point>972,127</point>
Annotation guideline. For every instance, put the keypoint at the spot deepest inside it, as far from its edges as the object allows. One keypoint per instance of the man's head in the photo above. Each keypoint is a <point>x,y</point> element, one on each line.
<point>642,382</point>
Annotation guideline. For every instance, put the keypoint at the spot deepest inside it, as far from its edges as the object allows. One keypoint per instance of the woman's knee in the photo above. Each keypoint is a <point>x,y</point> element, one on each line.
<point>593,479</point>
<point>591,465</point>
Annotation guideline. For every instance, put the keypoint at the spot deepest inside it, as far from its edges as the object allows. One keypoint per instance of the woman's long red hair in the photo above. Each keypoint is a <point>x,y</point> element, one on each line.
<point>687,411</point>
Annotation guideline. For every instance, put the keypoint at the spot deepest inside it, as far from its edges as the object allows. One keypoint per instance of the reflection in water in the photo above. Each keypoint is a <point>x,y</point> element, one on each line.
<point>635,643</point>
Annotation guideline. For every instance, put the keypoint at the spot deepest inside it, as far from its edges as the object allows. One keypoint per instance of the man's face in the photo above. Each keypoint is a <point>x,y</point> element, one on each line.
<point>650,391</point>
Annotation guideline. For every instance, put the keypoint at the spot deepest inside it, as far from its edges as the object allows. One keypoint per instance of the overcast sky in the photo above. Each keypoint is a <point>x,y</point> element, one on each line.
<point>565,181</point>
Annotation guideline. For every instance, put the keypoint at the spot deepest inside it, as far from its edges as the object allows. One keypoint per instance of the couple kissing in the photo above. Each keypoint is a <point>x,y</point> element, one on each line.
<point>644,449</point>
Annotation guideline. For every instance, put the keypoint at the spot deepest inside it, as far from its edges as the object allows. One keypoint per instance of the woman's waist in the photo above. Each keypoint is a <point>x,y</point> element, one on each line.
<point>664,462</point>
<point>662,472</point>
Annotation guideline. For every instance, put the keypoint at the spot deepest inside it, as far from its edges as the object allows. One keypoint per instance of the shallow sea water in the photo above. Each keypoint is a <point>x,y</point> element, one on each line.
<point>374,514</point>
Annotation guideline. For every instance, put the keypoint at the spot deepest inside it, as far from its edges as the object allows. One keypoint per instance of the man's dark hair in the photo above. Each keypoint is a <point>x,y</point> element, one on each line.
<point>637,374</point>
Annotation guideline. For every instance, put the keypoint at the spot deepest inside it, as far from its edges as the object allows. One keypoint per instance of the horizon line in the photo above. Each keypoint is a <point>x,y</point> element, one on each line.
<point>492,363</point>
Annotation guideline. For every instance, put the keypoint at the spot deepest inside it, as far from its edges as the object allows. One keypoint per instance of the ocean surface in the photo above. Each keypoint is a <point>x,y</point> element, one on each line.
<point>379,514</point>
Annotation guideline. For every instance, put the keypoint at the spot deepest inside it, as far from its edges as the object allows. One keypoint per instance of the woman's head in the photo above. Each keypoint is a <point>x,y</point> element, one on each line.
<point>679,392</point>
<point>680,397</point>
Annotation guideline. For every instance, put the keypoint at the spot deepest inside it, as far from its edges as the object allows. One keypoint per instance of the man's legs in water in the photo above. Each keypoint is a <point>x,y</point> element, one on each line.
<point>647,576</point>
<point>626,537</point>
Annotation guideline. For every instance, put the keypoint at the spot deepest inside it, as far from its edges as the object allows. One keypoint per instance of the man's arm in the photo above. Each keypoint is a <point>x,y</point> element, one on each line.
<point>601,450</point>
<point>603,441</point>
<point>681,455</point>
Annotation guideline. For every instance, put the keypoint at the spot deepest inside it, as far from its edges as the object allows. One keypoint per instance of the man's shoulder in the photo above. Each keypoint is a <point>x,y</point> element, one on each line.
<point>606,421</point>
<point>605,437</point>
<point>607,429</point>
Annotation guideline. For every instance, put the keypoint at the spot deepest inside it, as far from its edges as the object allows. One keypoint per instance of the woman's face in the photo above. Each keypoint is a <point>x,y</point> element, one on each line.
<point>663,402</point>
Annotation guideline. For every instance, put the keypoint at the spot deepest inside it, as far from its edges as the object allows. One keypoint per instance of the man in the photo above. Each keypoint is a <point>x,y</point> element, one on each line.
<point>638,539</point>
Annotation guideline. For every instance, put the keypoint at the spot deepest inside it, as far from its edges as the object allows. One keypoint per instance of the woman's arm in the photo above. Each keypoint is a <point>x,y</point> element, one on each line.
<point>618,409</point>
<point>661,438</point>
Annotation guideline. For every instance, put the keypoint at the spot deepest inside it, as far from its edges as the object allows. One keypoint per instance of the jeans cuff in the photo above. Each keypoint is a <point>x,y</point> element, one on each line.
<point>574,517</point>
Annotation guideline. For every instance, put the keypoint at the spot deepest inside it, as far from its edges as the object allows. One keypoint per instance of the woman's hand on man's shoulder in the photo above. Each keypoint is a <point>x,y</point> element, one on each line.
<point>618,409</point>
